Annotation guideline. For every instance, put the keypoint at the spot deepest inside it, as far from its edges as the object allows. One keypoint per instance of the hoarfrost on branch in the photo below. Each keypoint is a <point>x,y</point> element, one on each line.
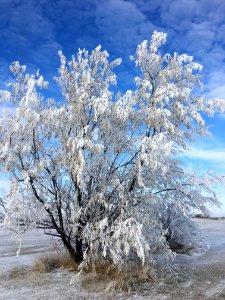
<point>100,170</point>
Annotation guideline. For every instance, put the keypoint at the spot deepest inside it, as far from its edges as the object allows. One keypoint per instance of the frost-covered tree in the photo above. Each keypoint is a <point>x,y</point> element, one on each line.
<point>100,170</point>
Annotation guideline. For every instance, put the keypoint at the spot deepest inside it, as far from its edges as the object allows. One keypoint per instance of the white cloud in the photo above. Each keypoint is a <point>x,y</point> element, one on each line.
<point>122,24</point>
<point>210,155</point>
<point>221,116</point>
<point>203,159</point>
<point>215,86</point>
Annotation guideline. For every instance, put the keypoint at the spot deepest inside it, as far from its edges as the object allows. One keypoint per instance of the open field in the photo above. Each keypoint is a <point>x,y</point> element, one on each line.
<point>200,276</point>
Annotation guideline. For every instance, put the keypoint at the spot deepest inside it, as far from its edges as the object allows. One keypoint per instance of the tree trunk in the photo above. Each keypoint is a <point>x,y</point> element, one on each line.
<point>75,253</point>
<point>79,249</point>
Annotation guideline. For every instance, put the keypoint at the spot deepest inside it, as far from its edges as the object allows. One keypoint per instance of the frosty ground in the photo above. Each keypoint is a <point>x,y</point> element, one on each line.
<point>199,276</point>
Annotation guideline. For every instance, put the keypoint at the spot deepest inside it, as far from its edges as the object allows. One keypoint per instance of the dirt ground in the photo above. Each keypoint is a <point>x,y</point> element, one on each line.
<point>200,276</point>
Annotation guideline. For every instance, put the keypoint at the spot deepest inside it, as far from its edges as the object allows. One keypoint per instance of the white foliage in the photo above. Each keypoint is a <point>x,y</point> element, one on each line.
<point>100,169</point>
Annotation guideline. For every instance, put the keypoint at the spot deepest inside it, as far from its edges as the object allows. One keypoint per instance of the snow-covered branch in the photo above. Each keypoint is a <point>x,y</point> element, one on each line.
<point>100,170</point>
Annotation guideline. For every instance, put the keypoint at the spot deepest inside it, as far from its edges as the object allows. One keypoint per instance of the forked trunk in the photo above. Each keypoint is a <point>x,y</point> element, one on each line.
<point>76,253</point>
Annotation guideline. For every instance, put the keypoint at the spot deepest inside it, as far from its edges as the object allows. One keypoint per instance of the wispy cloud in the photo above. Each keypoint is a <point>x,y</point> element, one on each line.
<point>221,116</point>
<point>213,157</point>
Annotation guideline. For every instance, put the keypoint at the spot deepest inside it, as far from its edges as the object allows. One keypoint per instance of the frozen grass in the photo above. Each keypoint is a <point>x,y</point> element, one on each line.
<point>105,277</point>
<point>200,276</point>
<point>54,261</point>
<point>99,276</point>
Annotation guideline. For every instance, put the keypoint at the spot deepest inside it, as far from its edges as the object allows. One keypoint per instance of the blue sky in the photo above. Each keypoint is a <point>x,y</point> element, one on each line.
<point>33,31</point>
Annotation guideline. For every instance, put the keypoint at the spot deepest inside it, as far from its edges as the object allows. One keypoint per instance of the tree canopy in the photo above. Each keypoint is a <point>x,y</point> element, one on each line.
<point>99,169</point>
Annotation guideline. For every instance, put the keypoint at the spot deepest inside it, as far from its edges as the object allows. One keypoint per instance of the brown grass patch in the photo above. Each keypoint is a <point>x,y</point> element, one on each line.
<point>51,262</point>
<point>18,272</point>
<point>105,276</point>
<point>99,276</point>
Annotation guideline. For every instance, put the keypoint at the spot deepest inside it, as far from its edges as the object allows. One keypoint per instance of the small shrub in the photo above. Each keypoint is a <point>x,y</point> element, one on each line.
<point>105,276</point>
<point>51,262</point>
